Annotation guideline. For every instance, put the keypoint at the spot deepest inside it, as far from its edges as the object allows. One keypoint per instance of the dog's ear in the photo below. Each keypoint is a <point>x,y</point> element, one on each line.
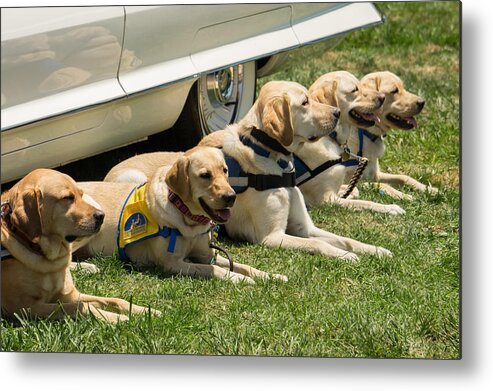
<point>276,119</point>
<point>178,179</point>
<point>26,214</point>
<point>326,94</point>
<point>373,82</point>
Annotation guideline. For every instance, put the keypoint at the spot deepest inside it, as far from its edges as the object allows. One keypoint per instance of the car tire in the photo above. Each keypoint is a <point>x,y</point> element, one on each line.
<point>214,101</point>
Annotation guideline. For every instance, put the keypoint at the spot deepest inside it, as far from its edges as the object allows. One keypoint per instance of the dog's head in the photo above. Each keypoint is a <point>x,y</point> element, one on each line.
<point>285,111</point>
<point>400,106</point>
<point>200,178</point>
<point>357,103</point>
<point>47,203</point>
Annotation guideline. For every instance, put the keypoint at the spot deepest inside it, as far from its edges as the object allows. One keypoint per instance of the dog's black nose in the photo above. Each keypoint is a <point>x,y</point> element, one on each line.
<point>229,198</point>
<point>420,103</point>
<point>381,98</point>
<point>337,113</point>
<point>98,217</point>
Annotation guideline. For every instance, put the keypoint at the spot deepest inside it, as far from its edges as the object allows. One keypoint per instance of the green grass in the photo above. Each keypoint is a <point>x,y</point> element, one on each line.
<point>407,306</point>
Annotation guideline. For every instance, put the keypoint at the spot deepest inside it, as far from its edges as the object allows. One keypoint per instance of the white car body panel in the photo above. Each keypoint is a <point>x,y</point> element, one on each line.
<point>126,121</point>
<point>58,60</point>
<point>106,91</point>
<point>342,18</point>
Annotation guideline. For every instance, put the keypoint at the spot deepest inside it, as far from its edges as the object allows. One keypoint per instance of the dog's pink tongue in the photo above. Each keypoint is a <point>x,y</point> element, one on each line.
<point>412,121</point>
<point>224,214</point>
<point>370,117</point>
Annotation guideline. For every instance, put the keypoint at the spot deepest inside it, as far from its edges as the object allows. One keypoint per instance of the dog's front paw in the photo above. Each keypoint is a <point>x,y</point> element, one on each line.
<point>155,312</point>
<point>432,190</point>
<point>352,257</point>
<point>279,277</point>
<point>236,278</point>
<point>383,252</point>
<point>402,196</point>
<point>120,318</point>
<point>394,210</point>
<point>88,267</point>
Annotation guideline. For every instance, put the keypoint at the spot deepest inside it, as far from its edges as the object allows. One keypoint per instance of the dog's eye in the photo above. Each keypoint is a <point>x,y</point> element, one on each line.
<point>394,91</point>
<point>206,175</point>
<point>225,170</point>
<point>355,90</point>
<point>305,102</point>
<point>69,197</point>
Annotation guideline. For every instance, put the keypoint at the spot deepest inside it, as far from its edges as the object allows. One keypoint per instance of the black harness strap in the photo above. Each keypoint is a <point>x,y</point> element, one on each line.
<point>5,254</point>
<point>268,141</point>
<point>304,173</point>
<point>241,180</point>
<point>266,182</point>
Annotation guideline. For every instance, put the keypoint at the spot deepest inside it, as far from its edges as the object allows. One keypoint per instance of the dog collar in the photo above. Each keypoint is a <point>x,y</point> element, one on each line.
<point>180,205</point>
<point>6,211</point>
<point>333,136</point>
<point>373,137</point>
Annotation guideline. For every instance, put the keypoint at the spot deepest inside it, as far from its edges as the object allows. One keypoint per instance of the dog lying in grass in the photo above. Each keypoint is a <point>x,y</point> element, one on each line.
<point>170,217</point>
<point>397,112</point>
<point>321,171</point>
<point>42,215</point>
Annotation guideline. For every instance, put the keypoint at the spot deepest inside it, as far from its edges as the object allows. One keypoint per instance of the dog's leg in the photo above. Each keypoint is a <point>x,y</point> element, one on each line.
<point>310,245</point>
<point>73,309</point>
<point>247,270</point>
<point>206,271</point>
<point>400,180</point>
<point>369,205</point>
<point>301,224</point>
<point>385,189</point>
<point>116,304</point>
<point>354,194</point>
<point>89,267</point>
<point>348,243</point>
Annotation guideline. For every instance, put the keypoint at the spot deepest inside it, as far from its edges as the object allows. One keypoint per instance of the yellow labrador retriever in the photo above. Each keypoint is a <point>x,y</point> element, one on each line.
<point>269,208</point>
<point>41,216</point>
<point>397,112</point>
<point>320,168</point>
<point>170,218</point>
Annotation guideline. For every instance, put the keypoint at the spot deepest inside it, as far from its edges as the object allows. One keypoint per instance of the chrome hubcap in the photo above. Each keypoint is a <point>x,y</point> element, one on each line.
<point>219,97</point>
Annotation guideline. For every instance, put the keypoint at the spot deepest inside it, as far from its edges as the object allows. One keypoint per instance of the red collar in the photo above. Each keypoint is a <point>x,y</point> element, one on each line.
<point>180,205</point>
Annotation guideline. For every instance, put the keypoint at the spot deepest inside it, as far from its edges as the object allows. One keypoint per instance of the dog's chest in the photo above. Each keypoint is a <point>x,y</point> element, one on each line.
<point>51,286</point>
<point>377,150</point>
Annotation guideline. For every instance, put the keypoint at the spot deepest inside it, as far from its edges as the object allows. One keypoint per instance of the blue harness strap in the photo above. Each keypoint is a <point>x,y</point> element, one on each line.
<point>238,179</point>
<point>362,133</point>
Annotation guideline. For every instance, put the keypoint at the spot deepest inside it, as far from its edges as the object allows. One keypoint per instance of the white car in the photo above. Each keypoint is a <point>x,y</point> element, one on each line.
<point>79,81</point>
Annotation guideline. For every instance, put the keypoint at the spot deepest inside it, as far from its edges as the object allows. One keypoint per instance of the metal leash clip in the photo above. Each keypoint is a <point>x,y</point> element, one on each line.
<point>214,245</point>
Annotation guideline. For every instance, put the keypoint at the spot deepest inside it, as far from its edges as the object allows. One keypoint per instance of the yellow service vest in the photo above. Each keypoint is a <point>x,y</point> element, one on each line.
<point>137,224</point>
